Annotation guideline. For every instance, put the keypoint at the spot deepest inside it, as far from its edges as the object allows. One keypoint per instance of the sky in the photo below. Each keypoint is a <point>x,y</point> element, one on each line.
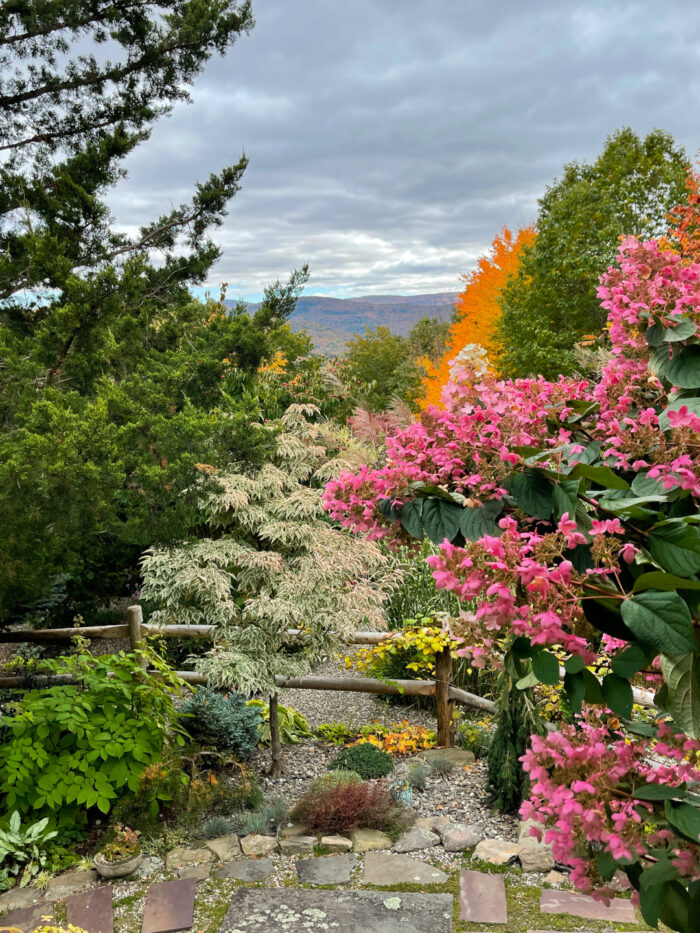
<point>389,140</point>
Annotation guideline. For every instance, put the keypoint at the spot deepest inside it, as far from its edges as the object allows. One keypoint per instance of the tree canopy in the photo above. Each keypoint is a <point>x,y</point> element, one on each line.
<point>550,304</point>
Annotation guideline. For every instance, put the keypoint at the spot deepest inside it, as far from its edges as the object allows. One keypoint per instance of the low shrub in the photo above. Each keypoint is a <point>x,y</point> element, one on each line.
<point>292,724</point>
<point>216,826</point>
<point>417,776</point>
<point>350,806</point>
<point>336,733</point>
<point>225,722</point>
<point>365,760</point>
<point>401,739</point>
<point>23,849</point>
<point>267,820</point>
<point>334,779</point>
<point>441,765</point>
<point>475,736</point>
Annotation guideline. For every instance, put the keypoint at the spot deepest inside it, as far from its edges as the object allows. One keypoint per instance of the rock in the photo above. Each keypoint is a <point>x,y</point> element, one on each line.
<point>201,872</point>
<point>555,877</point>
<point>70,883</point>
<point>336,843</point>
<point>294,829</point>
<point>328,869</point>
<point>432,823</point>
<point>365,840</point>
<point>460,757</point>
<point>416,839</point>
<point>181,858</point>
<point>535,856</point>
<point>298,845</point>
<point>496,851</point>
<point>385,870</point>
<point>149,866</point>
<point>456,837</point>
<point>258,845</point>
<point>224,847</point>
<point>525,827</point>
<point>18,898</point>
<point>245,869</point>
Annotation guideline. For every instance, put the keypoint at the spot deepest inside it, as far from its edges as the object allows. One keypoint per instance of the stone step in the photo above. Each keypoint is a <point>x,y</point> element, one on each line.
<point>92,911</point>
<point>169,906</point>
<point>303,910</point>
<point>482,898</point>
<point>619,910</point>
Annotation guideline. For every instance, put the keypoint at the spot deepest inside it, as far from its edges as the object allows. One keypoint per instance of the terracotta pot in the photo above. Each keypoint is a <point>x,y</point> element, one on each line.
<point>117,869</point>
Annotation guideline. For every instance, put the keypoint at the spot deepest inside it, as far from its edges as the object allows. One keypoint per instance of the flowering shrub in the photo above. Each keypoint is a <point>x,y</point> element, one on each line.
<point>568,511</point>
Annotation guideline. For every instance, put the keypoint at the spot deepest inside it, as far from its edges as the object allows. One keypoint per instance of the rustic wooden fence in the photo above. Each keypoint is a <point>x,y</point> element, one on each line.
<point>442,688</point>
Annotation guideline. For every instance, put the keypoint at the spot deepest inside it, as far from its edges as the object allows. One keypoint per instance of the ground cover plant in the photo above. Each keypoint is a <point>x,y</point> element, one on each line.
<point>364,759</point>
<point>568,510</point>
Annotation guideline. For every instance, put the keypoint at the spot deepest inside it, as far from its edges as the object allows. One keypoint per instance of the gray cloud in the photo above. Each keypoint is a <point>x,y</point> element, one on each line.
<point>390,139</point>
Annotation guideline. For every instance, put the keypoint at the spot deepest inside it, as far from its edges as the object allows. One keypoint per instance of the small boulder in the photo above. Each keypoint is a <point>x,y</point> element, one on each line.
<point>331,869</point>
<point>298,845</point>
<point>414,840</point>
<point>496,851</point>
<point>294,829</point>
<point>433,823</point>
<point>555,877</point>
<point>456,837</point>
<point>70,883</point>
<point>181,858</point>
<point>388,870</point>
<point>224,847</point>
<point>200,872</point>
<point>365,840</point>
<point>336,843</point>
<point>149,866</point>
<point>17,898</point>
<point>245,869</point>
<point>533,854</point>
<point>258,845</point>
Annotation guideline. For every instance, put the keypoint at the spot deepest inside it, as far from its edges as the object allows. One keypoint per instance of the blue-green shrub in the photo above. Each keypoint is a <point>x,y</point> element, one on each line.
<point>224,722</point>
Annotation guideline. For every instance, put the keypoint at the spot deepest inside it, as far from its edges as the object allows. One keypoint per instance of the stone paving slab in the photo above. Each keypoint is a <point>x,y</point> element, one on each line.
<point>169,906</point>
<point>245,869</point>
<point>327,869</point>
<point>294,910</point>
<point>26,919</point>
<point>482,898</point>
<point>92,911</point>
<point>582,905</point>
<point>385,870</point>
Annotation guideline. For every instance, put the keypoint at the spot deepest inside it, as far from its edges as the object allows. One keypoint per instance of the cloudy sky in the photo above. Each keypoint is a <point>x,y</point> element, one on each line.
<point>390,139</point>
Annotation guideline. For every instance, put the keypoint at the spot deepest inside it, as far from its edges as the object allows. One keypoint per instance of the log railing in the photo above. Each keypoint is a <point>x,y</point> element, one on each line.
<point>135,630</point>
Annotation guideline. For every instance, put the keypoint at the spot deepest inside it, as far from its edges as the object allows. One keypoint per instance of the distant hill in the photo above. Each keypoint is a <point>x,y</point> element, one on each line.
<point>331,322</point>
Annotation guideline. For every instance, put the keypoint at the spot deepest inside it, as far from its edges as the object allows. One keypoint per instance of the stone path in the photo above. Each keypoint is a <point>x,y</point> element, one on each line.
<point>169,905</point>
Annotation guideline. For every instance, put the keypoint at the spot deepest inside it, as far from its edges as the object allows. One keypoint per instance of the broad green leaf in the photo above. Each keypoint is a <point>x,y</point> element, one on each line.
<point>546,667</point>
<point>410,516</point>
<point>674,905</point>
<point>650,902</point>
<point>441,520</point>
<point>685,819</point>
<point>607,866</point>
<point>645,485</point>
<point>662,870</point>
<point>618,695</point>
<point>387,508</point>
<point>533,493</point>
<point>676,546</point>
<point>528,681</point>
<point>575,690</point>
<point>684,328</point>
<point>600,475</point>
<point>593,692</point>
<point>684,369</point>
<point>566,498</point>
<point>661,620</point>
<point>680,695</point>
<point>658,580</point>
<point>574,664</point>
<point>659,792</point>
<point>631,660</point>
<point>476,522</point>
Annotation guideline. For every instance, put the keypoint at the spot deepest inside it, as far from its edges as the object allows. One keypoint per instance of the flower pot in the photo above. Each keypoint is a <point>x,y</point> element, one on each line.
<point>117,869</point>
<point>403,795</point>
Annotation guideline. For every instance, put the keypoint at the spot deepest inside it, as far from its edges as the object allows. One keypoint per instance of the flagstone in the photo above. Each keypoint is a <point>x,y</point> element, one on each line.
<point>92,911</point>
<point>327,869</point>
<point>169,906</point>
<point>619,910</point>
<point>482,898</point>
<point>384,870</point>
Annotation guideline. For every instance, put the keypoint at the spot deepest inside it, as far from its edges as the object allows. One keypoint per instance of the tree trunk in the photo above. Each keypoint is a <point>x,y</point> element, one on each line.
<point>275,743</point>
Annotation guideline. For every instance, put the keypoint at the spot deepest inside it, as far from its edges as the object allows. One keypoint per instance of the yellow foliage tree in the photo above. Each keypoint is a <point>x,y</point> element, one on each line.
<point>477,307</point>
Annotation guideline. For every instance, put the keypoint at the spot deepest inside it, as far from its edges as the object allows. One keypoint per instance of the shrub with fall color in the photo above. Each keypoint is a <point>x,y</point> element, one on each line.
<point>344,807</point>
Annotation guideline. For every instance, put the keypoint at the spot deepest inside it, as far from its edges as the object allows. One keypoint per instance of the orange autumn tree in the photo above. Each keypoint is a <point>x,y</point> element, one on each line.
<point>686,220</point>
<point>477,309</point>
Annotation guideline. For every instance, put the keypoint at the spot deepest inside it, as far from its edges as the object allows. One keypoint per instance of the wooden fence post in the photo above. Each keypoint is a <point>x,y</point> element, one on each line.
<point>445,706</point>
<point>134,619</point>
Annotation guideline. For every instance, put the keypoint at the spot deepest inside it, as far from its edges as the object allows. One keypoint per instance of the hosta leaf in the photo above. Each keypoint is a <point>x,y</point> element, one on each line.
<point>661,620</point>
<point>658,335</point>
<point>692,404</point>
<point>684,369</point>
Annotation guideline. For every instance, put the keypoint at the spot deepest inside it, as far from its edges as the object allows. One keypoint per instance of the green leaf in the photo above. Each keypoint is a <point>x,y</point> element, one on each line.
<point>668,582</point>
<point>601,475</point>
<point>682,692</point>
<point>533,493</point>
<point>575,690</point>
<point>441,520</point>
<point>546,667</point>
<point>387,508</point>
<point>593,692</point>
<point>566,498</point>
<point>676,546</point>
<point>684,328</point>
<point>574,664</point>
<point>684,369</point>
<point>607,866</point>
<point>685,819</point>
<point>674,905</point>
<point>477,521</point>
<point>692,404</point>
<point>631,660</point>
<point>650,902</point>
<point>661,620</point>
<point>410,516</point>
<point>658,792</point>
<point>618,695</point>
<point>662,870</point>
<point>644,485</point>
<point>528,681</point>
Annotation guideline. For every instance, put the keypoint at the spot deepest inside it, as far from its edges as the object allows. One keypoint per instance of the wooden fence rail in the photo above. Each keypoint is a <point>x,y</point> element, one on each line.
<point>442,688</point>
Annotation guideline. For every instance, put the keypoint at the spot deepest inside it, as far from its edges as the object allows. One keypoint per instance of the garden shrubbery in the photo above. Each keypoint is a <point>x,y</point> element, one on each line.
<point>364,759</point>
<point>226,723</point>
<point>347,805</point>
